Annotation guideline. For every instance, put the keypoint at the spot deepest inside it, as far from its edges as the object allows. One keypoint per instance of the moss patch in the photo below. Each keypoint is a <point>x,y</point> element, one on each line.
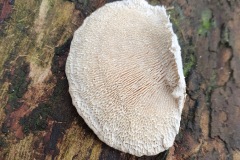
<point>188,64</point>
<point>176,18</point>
<point>187,48</point>
<point>206,22</point>
<point>36,120</point>
<point>211,86</point>
<point>19,84</point>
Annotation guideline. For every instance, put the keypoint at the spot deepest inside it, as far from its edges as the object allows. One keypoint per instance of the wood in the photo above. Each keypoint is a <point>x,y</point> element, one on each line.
<point>38,120</point>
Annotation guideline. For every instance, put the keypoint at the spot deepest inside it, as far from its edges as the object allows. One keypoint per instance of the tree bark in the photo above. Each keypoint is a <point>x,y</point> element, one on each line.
<point>38,120</point>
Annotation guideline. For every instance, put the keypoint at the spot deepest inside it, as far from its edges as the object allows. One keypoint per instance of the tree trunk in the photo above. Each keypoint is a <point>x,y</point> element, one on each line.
<point>38,120</point>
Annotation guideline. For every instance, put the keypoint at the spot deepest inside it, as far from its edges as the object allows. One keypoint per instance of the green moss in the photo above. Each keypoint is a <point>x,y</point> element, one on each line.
<point>211,86</point>
<point>206,22</point>
<point>177,19</point>
<point>190,61</point>
<point>37,119</point>
<point>19,82</point>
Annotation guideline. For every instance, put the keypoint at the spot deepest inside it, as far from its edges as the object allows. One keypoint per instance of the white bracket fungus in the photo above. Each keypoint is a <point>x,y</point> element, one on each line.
<point>126,78</point>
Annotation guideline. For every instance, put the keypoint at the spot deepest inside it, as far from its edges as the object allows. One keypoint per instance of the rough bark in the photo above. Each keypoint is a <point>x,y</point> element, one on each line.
<point>38,120</point>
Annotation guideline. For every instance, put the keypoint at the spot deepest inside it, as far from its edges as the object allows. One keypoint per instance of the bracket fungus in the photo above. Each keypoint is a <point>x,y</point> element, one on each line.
<point>126,78</point>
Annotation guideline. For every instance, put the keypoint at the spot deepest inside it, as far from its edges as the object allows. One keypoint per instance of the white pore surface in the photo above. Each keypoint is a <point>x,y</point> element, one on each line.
<point>126,78</point>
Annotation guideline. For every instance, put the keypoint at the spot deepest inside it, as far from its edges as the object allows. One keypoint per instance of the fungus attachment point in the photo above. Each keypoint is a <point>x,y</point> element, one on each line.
<point>125,76</point>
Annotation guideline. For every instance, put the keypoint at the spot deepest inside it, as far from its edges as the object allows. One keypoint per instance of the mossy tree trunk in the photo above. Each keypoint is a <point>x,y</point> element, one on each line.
<point>38,120</point>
